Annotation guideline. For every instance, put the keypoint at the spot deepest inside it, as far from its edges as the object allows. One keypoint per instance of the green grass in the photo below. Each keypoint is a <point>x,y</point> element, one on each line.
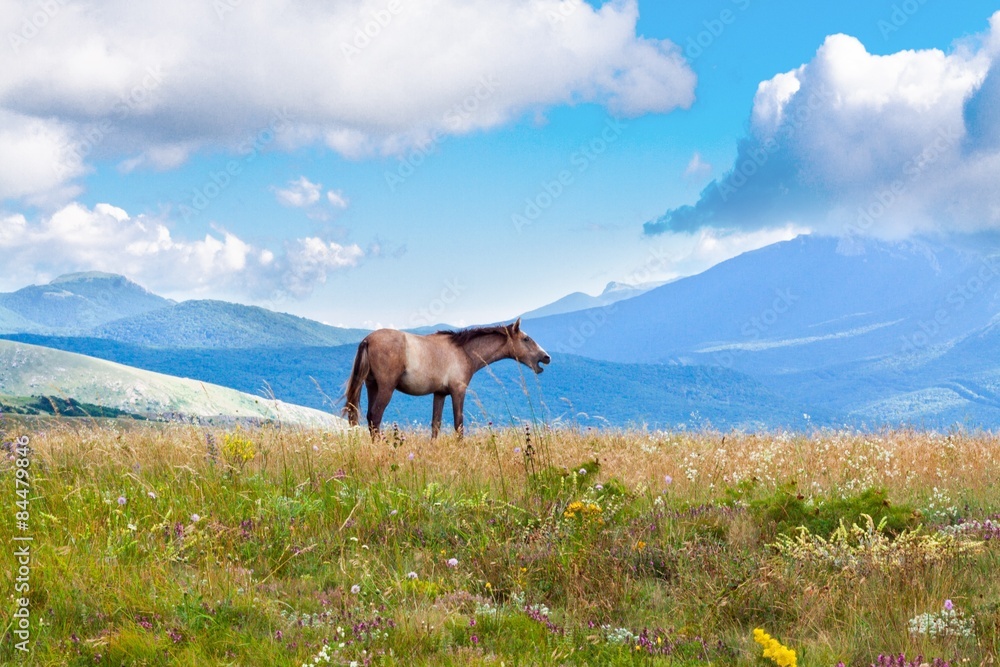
<point>169,545</point>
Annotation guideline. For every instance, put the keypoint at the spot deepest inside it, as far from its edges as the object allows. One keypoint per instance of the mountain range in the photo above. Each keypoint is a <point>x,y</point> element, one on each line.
<point>110,306</point>
<point>869,331</point>
<point>813,330</point>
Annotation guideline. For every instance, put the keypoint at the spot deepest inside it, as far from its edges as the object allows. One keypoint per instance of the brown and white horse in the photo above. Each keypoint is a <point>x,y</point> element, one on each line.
<point>441,363</point>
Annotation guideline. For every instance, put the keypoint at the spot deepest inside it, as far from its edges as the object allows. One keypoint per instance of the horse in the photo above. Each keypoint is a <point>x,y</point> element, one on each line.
<point>440,363</point>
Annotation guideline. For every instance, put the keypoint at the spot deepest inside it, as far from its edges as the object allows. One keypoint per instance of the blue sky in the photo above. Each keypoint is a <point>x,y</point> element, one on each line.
<point>470,165</point>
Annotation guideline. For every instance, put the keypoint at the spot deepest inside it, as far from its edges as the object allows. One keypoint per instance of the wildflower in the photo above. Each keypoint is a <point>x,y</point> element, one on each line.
<point>517,450</point>
<point>949,622</point>
<point>583,471</point>
<point>121,500</point>
<point>195,518</point>
<point>598,487</point>
<point>668,480</point>
<point>152,495</point>
<point>773,649</point>
<point>474,639</point>
<point>355,589</point>
<point>411,575</point>
<point>452,562</point>
<point>131,526</point>
<point>410,456</point>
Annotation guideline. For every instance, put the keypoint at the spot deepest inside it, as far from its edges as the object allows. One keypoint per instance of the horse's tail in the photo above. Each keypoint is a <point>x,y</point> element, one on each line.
<point>359,372</point>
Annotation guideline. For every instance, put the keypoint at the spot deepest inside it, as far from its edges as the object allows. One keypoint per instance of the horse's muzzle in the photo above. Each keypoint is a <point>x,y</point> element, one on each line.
<point>543,360</point>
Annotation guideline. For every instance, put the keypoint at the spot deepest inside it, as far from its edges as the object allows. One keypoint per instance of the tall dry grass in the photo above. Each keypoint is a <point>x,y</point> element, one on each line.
<point>179,544</point>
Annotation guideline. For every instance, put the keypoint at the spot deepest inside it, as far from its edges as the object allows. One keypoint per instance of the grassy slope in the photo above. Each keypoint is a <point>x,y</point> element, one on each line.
<point>30,370</point>
<point>245,550</point>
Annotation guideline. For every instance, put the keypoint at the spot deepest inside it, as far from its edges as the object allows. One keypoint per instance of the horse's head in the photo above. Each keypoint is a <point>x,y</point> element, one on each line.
<point>526,350</point>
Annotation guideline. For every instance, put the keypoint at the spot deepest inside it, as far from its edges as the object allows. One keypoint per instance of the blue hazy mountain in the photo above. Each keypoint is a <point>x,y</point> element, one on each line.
<point>805,303</point>
<point>75,302</point>
<point>872,332</point>
<point>613,293</point>
<point>220,324</point>
<point>105,305</point>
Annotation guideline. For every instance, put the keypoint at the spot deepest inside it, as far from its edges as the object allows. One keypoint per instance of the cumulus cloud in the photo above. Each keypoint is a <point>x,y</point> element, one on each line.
<point>856,143</point>
<point>107,238</point>
<point>36,158</point>
<point>299,193</point>
<point>149,84</point>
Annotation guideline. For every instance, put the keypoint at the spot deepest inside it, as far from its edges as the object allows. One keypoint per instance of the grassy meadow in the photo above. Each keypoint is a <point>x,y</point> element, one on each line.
<point>163,544</point>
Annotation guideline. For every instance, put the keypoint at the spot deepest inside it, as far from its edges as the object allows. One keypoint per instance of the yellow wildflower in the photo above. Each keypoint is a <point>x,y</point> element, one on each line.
<point>774,650</point>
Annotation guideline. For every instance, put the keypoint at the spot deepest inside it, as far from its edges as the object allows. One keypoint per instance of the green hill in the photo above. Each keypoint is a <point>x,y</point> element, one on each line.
<point>29,370</point>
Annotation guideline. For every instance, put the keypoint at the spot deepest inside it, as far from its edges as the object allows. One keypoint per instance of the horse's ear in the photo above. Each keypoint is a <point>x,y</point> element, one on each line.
<point>516,326</point>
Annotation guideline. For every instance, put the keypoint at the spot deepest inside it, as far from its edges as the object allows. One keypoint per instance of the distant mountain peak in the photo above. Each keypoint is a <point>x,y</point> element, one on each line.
<point>82,276</point>
<point>615,286</point>
<point>76,302</point>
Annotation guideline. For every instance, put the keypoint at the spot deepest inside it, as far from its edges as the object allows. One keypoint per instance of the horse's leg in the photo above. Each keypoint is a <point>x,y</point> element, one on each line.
<point>382,397</point>
<point>436,416</point>
<point>372,387</point>
<point>457,407</point>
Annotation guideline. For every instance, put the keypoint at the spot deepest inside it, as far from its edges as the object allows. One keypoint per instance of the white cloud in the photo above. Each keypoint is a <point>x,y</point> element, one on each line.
<point>37,158</point>
<point>337,199</point>
<point>300,193</point>
<point>855,143</point>
<point>107,238</point>
<point>707,247</point>
<point>697,168</point>
<point>308,262</point>
<point>361,76</point>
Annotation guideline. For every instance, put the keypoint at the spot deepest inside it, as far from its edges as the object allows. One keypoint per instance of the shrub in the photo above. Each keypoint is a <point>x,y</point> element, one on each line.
<point>786,510</point>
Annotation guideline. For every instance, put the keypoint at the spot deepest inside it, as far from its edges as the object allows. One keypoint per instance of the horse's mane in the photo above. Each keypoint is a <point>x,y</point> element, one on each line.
<point>462,337</point>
